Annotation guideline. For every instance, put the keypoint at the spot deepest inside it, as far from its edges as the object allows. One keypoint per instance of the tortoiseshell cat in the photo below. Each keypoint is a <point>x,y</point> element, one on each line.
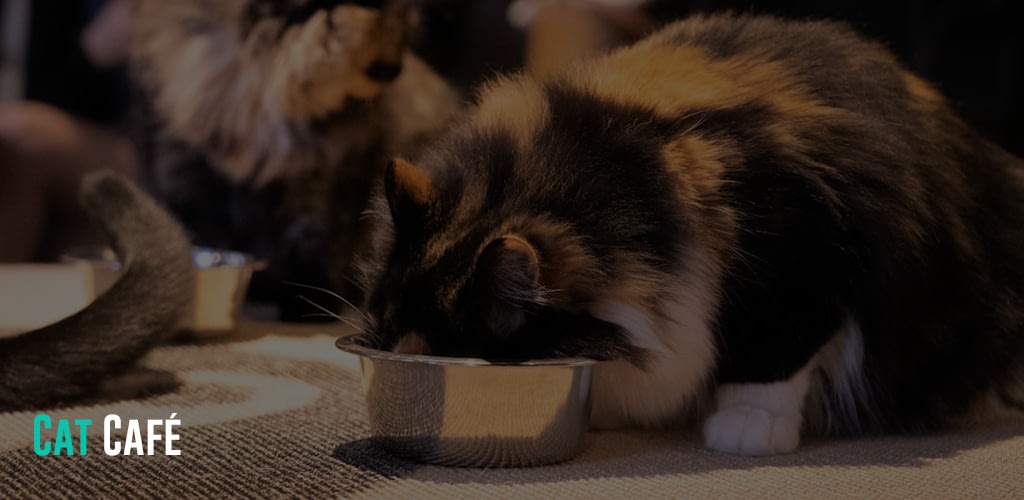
<point>766,222</point>
<point>271,120</point>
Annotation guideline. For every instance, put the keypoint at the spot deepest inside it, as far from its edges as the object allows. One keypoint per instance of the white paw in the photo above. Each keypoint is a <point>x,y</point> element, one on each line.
<point>751,431</point>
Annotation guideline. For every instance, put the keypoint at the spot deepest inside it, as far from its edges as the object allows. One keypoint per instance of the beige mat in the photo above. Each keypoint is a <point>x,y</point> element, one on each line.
<point>276,411</point>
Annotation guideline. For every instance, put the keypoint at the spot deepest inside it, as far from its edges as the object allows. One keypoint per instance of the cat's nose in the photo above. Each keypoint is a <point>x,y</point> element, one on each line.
<point>383,71</point>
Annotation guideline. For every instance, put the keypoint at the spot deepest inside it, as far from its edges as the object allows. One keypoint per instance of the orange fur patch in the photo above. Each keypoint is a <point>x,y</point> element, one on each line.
<point>412,181</point>
<point>921,90</point>
<point>669,79</point>
<point>698,166</point>
<point>673,80</point>
<point>515,105</point>
<point>412,343</point>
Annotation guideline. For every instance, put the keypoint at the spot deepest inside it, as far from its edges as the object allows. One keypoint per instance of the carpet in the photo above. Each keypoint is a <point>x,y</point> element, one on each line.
<point>276,411</point>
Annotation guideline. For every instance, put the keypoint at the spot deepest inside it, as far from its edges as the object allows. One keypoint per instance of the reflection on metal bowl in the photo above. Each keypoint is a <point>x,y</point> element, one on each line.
<point>474,413</point>
<point>222,279</point>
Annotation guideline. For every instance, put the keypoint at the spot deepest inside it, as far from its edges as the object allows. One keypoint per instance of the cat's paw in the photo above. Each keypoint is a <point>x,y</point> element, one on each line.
<point>751,431</point>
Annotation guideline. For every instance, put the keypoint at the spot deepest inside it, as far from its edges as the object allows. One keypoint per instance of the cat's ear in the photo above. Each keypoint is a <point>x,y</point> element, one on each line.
<point>508,279</point>
<point>513,266</point>
<point>408,188</point>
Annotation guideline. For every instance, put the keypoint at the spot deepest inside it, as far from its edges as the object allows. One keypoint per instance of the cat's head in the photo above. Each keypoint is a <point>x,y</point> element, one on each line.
<point>336,49</point>
<point>255,84</point>
<point>470,272</point>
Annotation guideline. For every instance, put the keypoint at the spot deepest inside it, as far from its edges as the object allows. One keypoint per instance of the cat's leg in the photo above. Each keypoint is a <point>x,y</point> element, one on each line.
<point>769,351</point>
<point>766,366</point>
<point>784,298</point>
<point>759,418</point>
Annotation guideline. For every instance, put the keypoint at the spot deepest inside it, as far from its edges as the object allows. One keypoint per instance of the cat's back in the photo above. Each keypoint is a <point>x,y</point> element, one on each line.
<point>725,61</point>
<point>717,97</point>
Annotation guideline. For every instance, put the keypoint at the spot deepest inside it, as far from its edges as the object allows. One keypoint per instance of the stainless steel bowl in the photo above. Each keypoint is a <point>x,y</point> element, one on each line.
<point>472,413</point>
<point>222,278</point>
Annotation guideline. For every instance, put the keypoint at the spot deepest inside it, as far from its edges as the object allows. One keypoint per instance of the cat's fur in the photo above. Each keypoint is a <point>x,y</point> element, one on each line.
<point>82,354</point>
<point>270,121</point>
<point>770,222</point>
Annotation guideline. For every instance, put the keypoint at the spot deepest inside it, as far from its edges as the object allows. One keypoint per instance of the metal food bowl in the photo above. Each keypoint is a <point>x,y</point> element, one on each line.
<point>222,278</point>
<point>469,412</point>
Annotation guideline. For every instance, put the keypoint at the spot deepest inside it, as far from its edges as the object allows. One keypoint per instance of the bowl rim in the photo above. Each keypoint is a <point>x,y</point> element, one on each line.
<point>348,344</point>
<point>225,258</point>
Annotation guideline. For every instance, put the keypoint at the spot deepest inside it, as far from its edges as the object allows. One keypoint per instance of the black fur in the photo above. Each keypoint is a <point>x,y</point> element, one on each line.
<point>849,196</point>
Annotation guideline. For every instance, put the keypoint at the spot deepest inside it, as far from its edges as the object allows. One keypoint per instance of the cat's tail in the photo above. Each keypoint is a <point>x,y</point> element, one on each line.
<point>66,360</point>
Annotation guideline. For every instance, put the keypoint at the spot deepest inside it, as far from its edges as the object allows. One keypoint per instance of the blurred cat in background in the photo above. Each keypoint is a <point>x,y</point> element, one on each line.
<point>268,122</point>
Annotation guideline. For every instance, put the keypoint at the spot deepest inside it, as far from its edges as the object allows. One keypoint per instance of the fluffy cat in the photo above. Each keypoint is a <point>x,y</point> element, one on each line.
<point>767,222</point>
<point>84,354</point>
<point>270,120</point>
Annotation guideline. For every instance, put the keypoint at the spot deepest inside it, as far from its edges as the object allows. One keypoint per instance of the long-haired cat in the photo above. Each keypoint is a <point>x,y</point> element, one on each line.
<point>769,219</point>
<point>270,121</point>
<point>85,354</point>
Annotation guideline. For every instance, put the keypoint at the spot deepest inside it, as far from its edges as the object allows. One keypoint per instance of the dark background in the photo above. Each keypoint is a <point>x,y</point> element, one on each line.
<point>973,51</point>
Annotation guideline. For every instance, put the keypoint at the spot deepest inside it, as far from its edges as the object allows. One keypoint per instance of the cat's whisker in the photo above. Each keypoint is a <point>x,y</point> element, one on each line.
<point>356,283</point>
<point>332,294</point>
<point>372,214</point>
<point>319,315</point>
<point>331,314</point>
<point>696,124</point>
<point>351,324</point>
<point>320,307</point>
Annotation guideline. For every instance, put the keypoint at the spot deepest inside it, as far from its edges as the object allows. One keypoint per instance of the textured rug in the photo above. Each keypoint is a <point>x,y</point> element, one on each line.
<point>276,410</point>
